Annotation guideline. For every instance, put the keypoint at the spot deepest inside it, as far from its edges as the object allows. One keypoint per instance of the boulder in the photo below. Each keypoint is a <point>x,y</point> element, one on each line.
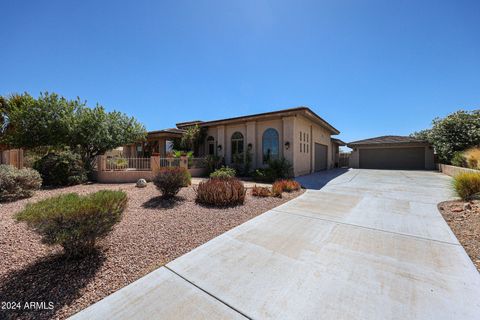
<point>141,183</point>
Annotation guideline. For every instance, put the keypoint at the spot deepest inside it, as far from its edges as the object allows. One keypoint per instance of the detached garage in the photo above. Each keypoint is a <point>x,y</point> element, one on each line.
<point>392,152</point>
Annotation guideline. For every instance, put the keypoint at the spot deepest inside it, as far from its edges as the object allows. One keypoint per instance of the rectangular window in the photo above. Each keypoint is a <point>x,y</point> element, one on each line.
<point>300,147</point>
<point>307,146</point>
<point>300,135</point>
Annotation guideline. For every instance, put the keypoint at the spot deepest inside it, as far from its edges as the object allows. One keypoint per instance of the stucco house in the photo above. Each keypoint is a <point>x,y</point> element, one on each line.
<point>299,135</point>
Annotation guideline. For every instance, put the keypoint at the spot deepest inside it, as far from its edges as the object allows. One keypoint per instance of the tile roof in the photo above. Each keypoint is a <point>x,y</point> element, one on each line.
<point>387,140</point>
<point>306,110</point>
<point>169,130</point>
<point>339,142</point>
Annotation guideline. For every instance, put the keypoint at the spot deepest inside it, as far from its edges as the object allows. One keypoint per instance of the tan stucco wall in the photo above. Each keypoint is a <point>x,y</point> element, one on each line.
<point>305,161</point>
<point>452,171</point>
<point>354,161</point>
<point>288,129</point>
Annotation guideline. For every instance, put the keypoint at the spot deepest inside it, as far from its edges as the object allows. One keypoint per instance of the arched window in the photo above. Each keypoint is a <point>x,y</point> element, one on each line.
<point>270,145</point>
<point>237,147</point>
<point>211,145</point>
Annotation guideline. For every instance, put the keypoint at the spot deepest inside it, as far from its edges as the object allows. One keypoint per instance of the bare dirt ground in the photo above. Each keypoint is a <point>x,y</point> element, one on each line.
<point>464,220</point>
<point>152,233</point>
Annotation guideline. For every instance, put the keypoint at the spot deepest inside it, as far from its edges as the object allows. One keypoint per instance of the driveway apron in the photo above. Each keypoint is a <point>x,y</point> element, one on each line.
<point>369,244</point>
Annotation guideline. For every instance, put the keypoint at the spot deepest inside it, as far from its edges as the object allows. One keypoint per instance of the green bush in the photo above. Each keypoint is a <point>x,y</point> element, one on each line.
<point>276,169</point>
<point>75,222</point>
<point>18,183</point>
<point>223,173</point>
<point>63,168</point>
<point>459,159</point>
<point>467,185</point>
<point>221,192</point>
<point>171,179</point>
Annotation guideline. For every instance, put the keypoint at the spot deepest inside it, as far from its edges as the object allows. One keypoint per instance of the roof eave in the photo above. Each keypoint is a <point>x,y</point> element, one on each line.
<point>286,112</point>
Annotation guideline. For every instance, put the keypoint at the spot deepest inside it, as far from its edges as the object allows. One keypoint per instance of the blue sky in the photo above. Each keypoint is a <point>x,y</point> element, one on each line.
<point>368,67</point>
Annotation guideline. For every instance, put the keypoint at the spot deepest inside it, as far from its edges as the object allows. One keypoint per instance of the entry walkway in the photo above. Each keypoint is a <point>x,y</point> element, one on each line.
<point>368,245</point>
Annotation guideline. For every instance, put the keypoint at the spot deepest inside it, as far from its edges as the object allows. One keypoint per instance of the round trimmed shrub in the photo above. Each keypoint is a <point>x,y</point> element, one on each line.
<point>170,180</point>
<point>18,183</point>
<point>221,192</point>
<point>223,173</point>
<point>75,222</point>
<point>63,168</point>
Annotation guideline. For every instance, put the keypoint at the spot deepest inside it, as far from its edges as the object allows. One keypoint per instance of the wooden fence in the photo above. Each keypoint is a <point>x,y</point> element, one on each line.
<point>343,160</point>
<point>13,157</point>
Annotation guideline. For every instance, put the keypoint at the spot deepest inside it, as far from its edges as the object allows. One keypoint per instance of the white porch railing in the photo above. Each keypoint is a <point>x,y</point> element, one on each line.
<point>146,164</point>
<point>117,164</point>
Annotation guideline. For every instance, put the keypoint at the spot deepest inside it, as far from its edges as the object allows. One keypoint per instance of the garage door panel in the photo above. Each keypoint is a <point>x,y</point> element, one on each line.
<point>412,158</point>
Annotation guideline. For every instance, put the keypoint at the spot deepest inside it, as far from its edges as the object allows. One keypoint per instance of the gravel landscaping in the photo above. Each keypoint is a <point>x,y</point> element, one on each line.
<point>152,233</point>
<point>464,220</point>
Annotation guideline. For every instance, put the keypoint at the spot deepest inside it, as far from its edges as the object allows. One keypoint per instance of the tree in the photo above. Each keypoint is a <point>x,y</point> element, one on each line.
<point>32,123</point>
<point>96,131</point>
<point>193,137</point>
<point>52,121</point>
<point>456,132</point>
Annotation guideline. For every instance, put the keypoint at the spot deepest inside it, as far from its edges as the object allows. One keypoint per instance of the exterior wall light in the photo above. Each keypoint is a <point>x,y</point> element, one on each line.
<point>287,145</point>
<point>219,147</point>
<point>249,146</point>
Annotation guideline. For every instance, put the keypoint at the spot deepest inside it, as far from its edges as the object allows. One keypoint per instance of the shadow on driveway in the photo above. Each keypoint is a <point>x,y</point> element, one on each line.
<point>318,180</point>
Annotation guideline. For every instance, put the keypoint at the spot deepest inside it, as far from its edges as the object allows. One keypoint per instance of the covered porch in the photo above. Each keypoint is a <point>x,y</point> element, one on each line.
<point>158,143</point>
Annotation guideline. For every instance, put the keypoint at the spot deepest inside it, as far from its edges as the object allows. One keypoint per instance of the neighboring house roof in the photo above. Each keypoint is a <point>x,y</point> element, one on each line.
<point>386,140</point>
<point>307,112</point>
<point>169,130</point>
<point>339,142</point>
<point>166,133</point>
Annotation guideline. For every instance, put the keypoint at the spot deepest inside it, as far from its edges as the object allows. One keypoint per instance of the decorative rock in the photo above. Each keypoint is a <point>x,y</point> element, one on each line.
<point>141,183</point>
<point>467,206</point>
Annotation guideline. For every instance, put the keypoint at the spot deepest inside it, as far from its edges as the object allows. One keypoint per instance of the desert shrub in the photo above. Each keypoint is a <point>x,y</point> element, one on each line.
<point>63,168</point>
<point>473,158</point>
<point>75,222</point>
<point>459,160</point>
<point>223,173</point>
<point>261,192</point>
<point>171,179</point>
<point>286,185</point>
<point>467,185</point>
<point>18,183</point>
<point>213,163</point>
<point>221,192</point>
<point>276,169</point>
<point>277,190</point>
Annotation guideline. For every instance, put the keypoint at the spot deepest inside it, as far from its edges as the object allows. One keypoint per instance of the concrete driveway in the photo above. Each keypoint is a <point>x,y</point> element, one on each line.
<point>368,245</point>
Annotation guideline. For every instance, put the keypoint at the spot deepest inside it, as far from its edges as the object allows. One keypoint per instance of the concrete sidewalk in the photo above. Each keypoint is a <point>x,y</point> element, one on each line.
<point>368,245</point>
